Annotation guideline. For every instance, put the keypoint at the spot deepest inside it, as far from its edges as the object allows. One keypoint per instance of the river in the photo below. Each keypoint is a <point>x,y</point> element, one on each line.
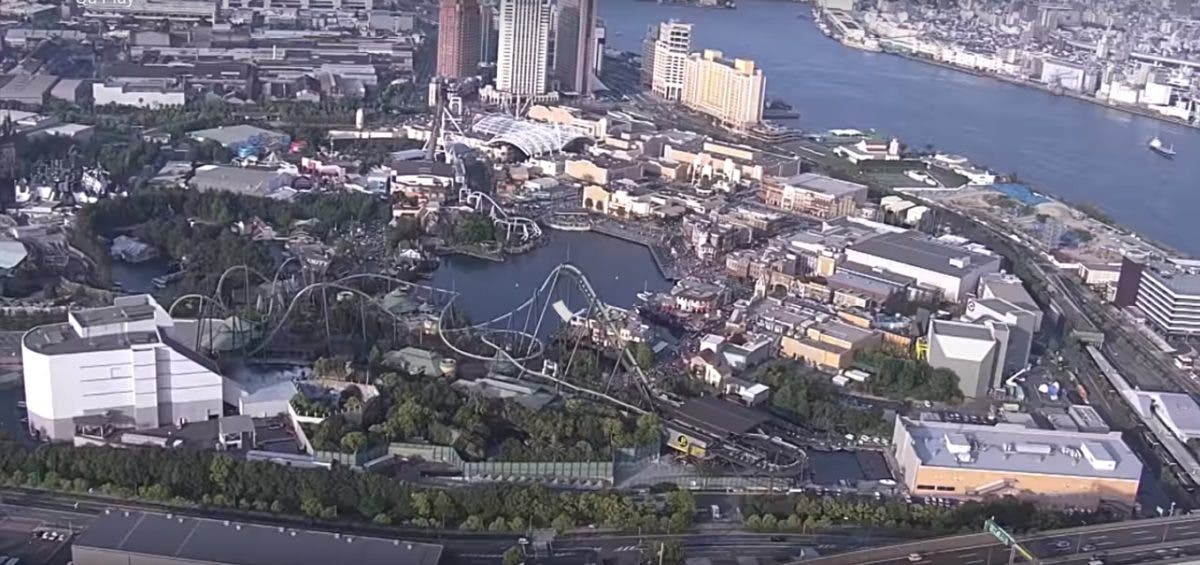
<point>1070,148</point>
<point>617,269</point>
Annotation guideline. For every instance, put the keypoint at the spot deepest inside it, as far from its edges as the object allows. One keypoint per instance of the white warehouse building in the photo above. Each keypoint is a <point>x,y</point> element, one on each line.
<point>954,270</point>
<point>125,363</point>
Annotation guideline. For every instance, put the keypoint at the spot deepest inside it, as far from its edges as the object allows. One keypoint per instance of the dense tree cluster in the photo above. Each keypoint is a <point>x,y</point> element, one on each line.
<point>412,408</point>
<point>815,404</point>
<point>212,479</point>
<point>803,513</point>
<point>908,379</point>
<point>191,225</point>
<point>473,229</point>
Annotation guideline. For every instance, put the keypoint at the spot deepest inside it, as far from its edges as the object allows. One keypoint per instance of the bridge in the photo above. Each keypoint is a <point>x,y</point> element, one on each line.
<point>1166,540</point>
<point>525,228</point>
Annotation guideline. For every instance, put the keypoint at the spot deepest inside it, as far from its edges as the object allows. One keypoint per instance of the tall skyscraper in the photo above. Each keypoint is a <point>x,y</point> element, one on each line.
<point>730,91</point>
<point>575,46</point>
<point>671,49</point>
<point>459,38</point>
<point>523,58</point>
<point>490,35</point>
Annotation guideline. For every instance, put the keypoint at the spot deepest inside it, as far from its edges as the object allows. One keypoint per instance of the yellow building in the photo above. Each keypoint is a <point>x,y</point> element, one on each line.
<point>830,344</point>
<point>1053,467</point>
<point>733,92</point>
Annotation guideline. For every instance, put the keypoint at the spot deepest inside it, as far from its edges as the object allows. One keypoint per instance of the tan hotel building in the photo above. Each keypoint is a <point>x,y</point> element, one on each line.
<point>1054,467</point>
<point>730,91</point>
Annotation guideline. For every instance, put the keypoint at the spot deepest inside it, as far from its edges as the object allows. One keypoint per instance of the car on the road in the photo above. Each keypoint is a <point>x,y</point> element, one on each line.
<point>1087,547</point>
<point>1062,544</point>
<point>915,558</point>
<point>778,538</point>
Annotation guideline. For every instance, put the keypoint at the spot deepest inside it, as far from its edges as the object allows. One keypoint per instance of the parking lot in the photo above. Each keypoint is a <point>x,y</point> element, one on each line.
<point>33,542</point>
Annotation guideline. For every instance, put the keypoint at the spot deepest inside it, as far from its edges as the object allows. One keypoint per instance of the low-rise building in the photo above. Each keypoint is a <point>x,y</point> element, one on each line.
<point>870,150</point>
<point>1052,467</point>
<point>128,364</point>
<point>139,93</point>
<point>603,170</point>
<point>814,195</point>
<point>954,270</point>
<point>830,345</point>
<point>29,90</point>
<point>975,351</point>
<point>622,203</point>
<point>242,135</point>
<point>694,296</point>
<point>266,183</point>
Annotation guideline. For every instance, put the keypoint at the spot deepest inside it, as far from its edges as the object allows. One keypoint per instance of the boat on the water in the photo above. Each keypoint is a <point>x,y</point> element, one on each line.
<point>1156,145</point>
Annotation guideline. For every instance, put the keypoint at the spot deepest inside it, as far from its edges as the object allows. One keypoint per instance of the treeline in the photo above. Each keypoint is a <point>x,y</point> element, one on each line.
<point>908,379</point>
<point>331,210</point>
<point>815,404</point>
<point>804,513</point>
<point>211,479</point>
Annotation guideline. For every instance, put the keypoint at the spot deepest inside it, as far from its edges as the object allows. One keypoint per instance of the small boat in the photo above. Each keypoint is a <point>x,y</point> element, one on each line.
<point>1156,145</point>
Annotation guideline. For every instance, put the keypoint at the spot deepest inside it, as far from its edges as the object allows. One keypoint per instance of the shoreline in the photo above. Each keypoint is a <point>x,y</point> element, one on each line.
<point>1136,110</point>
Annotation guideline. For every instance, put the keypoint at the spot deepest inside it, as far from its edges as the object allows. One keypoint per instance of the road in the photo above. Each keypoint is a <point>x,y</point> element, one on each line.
<point>77,511</point>
<point>1113,543</point>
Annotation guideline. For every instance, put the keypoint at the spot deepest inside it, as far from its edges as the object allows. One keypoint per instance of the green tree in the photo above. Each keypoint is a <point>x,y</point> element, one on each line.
<point>354,442</point>
<point>562,523</point>
<point>643,355</point>
<point>513,556</point>
<point>670,552</point>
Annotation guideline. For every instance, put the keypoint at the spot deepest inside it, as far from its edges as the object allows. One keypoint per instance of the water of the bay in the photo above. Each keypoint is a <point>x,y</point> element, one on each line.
<point>1070,148</point>
<point>617,269</point>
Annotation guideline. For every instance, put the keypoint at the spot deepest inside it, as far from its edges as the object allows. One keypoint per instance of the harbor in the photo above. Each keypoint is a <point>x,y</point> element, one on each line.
<point>1078,152</point>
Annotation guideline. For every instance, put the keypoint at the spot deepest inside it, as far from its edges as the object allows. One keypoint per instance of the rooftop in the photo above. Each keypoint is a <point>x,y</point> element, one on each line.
<point>1182,281</point>
<point>824,184</point>
<point>716,415</point>
<point>1007,288</point>
<point>212,541</point>
<point>964,330</point>
<point>254,182</point>
<point>61,339</point>
<point>234,135</point>
<point>1015,448</point>
<point>913,249</point>
<point>27,86</point>
<point>114,314</point>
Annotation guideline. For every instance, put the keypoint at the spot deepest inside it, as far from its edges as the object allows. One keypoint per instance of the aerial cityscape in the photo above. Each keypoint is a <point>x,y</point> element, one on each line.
<point>420,282</point>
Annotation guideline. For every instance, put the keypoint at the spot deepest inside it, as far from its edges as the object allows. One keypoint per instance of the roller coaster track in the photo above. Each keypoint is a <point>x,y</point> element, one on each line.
<point>480,202</point>
<point>530,335</point>
<point>519,347</point>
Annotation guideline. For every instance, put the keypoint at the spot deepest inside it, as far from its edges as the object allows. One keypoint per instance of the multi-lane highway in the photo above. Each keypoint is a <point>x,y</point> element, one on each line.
<point>1125,542</point>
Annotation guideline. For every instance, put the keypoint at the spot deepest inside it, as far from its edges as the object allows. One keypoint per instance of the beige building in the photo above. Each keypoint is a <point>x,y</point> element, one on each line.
<point>830,344</point>
<point>733,92</point>
<point>1053,467</point>
<point>620,203</point>
<point>603,170</point>
<point>595,126</point>
<point>815,195</point>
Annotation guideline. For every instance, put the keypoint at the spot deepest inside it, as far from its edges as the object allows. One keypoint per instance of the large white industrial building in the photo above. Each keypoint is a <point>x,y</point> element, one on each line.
<point>125,363</point>
<point>952,269</point>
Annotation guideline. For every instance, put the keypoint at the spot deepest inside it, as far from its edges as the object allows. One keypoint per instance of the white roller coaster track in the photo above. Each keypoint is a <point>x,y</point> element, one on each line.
<point>484,204</point>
